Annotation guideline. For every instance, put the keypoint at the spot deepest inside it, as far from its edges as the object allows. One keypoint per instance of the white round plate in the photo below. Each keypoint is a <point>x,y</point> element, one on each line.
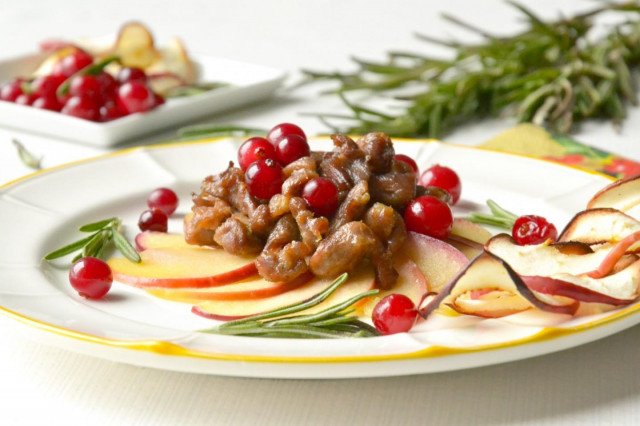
<point>42,212</point>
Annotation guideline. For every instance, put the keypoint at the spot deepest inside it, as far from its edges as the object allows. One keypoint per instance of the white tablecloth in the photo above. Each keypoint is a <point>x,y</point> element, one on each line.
<point>594,384</point>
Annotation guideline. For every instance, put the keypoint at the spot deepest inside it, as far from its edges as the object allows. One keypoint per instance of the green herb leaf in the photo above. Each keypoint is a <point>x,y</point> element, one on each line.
<point>125,247</point>
<point>95,226</point>
<point>68,249</point>
<point>27,158</point>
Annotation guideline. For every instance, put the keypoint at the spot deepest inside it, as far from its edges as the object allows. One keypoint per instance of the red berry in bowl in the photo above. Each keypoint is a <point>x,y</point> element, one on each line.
<point>108,85</point>
<point>282,130</point>
<point>85,85</point>
<point>321,195</point>
<point>290,148</point>
<point>81,107</point>
<point>135,96</point>
<point>46,86</point>
<point>410,161</point>
<point>26,99</point>
<point>430,216</point>
<point>91,277</point>
<point>533,229</point>
<point>163,199</point>
<point>153,220</point>
<point>110,110</point>
<point>127,74</point>
<point>255,149</point>
<point>72,63</point>
<point>11,90</point>
<point>264,178</point>
<point>47,102</point>
<point>442,177</point>
<point>395,313</point>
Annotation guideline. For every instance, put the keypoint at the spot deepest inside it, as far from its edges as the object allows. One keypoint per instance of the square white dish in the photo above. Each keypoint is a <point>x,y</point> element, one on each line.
<point>247,83</point>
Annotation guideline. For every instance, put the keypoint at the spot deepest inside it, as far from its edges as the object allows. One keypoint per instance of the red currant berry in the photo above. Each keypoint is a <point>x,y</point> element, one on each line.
<point>47,102</point>
<point>47,85</point>
<point>264,178</point>
<point>26,99</point>
<point>81,107</point>
<point>395,313</point>
<point>11,90</point>
<point>153,220</point>
<point>282,130</point>
<point>163,199</point>
<point>255,149</point>
<point>85,85</point>
<point>442,177</point>
<point>158,100</point>
<point>321,195</point>
<point>135,96</point>
<point>532,229</point>
<point>72,63</point>
<point>108,85</point>
<point>290,148</point>
<point>110,111</point>
<point>408,160</point>
<point>128,74</point>
<point>91,277</point>
<point>430,216</point>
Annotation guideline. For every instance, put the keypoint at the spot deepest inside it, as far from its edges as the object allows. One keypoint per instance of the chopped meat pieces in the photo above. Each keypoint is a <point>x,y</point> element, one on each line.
<point>395,188</point>
<point>353,206</point>
<point>236,238</point>
<point>283,257</point>
<point>379,151</point>
<point>200,228</point>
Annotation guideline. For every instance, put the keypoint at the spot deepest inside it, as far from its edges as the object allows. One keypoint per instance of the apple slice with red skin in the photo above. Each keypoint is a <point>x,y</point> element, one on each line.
<point>183,267</point>
<point>254,289</point>
<point>621,195</point>
<point>221,310</point>
<point>601,225</point>
<point>438,260</point>
<point>411,282</point>
<point>152,239</point>
<point>490,304</point>
<point>468,237</point>
<point>489,272</point>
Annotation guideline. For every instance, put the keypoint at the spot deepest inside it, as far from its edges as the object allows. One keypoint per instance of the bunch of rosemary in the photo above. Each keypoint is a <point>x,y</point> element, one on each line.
<point>551,74</point>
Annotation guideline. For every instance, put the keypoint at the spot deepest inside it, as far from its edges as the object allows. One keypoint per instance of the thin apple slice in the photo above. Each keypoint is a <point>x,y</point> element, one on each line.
<point>438,260</point>
<point>621,195</point>
<point>192,267</point>
<point>489,272</point>
<point>150,239</point>
<point>164,83</point>
<point>357,283</point>
<point>258,288</point>
<point>544,259</point>
<point>135,47</point>
<point>600,225</point>
<point>173,59</point>
<point>491,304</point>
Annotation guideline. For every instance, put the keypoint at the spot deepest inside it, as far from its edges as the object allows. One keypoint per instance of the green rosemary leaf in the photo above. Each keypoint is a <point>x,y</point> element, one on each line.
<point>194,89</point>
<point>27,157</point>
<point>95,245</point>
<point>96,226</point>
<point>124,246</point>
<point>93,69</point>
<point>212,130</point>
<point>70,248</point>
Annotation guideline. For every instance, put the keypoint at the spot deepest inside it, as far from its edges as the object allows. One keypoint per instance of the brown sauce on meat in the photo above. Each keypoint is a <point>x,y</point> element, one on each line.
<point>373,189</point>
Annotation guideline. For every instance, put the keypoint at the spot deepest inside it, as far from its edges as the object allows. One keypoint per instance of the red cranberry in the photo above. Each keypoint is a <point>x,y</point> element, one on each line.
<point>264,178</point>
<point>442,177</point>
<point>26,99</point>
<point>72,63</point>
<point>11,90</point>
<point>290,148</point>
<point>533,229</point>
<point>81,107</point>
<point>47,85</point>
<point>153,220</point>
<point>430,216</point>
<point>135,96</point>
<point>91,277</point>
<point>255,149</point>
<point>282,130</point>
<point>321,195</point>
<point>395,313</point>
<point>409,161</point>
<point>129,74</point>
<point>163,199</point>
<point>85,85</point>
<point>47,102</point>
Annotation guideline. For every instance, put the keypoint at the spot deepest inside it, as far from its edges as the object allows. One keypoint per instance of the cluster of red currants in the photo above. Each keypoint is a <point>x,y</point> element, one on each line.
<point>100,97</point>
<point>162,202</point>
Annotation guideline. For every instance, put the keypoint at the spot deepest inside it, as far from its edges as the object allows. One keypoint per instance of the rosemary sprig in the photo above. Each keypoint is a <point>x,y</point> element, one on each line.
<point>332,322</point>
<point>213,130</point>
<point>499,217</point>
<point>27,157</point>
<point>102,233</point>
<point>551,74</point>
<point>93,69</point>
<point>194,89</point>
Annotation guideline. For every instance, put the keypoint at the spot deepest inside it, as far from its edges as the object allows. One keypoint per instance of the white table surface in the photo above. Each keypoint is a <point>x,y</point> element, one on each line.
<point>595,384</point>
